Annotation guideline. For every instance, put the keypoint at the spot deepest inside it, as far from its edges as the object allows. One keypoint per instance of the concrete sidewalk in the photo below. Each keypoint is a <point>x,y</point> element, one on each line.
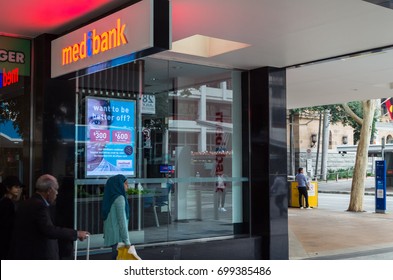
<point>335,234</point>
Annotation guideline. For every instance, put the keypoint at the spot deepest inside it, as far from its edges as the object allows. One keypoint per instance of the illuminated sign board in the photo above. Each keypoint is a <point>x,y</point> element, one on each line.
<point>94,43</point>
<point>14,65</point>
<point>138,30</point>
<point>9,77</point>
<point>110,137</point>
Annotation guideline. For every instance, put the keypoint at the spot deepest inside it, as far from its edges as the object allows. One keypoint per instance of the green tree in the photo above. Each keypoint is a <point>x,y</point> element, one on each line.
<point>367,123</point>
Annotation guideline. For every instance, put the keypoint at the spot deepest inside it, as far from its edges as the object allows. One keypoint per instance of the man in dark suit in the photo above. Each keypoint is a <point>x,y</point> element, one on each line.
<point>35,236</point>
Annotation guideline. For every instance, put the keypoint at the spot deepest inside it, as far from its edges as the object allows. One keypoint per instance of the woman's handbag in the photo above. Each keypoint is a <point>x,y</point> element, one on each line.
<point>124,253</point>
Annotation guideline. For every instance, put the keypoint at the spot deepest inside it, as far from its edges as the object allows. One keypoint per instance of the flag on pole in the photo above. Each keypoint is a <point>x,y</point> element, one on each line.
<point>389,107</point>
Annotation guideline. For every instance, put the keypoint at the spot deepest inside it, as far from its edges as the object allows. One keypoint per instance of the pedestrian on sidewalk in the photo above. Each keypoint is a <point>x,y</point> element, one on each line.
<point>302,186</point>
<point>35,237</point>
<point>10,194</point>
<point>116,213</point>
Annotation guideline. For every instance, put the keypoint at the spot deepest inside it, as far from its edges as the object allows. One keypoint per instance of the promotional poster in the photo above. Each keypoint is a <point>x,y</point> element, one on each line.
<point>110,137</point>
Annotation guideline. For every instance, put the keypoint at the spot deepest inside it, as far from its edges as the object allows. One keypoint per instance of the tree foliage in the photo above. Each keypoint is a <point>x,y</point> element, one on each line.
<point>17,111</point>
<point>338,114</point>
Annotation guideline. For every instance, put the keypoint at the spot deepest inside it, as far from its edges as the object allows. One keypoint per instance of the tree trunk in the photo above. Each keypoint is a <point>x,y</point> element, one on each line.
<point>359,174</point>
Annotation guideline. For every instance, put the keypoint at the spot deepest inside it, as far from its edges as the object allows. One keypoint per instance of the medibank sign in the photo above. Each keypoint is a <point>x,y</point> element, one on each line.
<point>93,44</point>
<point>127,34</point>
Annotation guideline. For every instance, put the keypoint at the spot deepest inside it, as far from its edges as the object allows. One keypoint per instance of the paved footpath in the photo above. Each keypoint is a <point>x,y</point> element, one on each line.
<point>335,235</point>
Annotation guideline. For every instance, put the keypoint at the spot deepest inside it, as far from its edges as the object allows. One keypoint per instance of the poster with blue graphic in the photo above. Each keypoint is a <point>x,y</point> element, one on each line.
<point>110,137</point>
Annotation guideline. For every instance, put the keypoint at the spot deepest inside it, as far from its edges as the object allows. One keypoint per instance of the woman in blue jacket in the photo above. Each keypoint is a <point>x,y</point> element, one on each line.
<point>116,213</point>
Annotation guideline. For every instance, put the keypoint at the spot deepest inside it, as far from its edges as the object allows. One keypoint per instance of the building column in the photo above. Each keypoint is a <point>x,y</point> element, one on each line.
<point>202,117</point>
<point>265,162</point>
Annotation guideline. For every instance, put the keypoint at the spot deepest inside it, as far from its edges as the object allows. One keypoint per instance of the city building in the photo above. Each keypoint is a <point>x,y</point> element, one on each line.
<point>188,99</point>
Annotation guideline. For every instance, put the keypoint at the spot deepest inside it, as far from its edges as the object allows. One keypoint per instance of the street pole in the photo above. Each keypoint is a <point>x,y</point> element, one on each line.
<point>318,143</point>
<point>325,143</point>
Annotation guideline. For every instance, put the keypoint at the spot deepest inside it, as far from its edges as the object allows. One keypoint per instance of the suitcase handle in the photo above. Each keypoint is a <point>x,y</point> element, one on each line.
<point>87,250</point>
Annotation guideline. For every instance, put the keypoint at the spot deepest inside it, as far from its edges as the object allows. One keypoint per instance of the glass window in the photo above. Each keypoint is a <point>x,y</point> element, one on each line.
<point>15,109</point>
<point>14,134</point>
<point>183,181</point>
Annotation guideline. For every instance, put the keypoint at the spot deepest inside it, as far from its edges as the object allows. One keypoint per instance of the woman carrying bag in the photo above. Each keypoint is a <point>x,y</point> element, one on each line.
<point>116,213</point>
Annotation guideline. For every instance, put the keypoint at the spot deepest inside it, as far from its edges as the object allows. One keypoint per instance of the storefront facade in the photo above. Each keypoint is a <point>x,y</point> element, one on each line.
<point>203,148</point>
